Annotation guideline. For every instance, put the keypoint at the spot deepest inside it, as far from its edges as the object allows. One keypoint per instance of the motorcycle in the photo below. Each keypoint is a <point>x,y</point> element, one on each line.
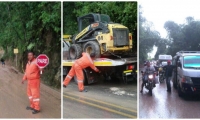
<point>150,84</point>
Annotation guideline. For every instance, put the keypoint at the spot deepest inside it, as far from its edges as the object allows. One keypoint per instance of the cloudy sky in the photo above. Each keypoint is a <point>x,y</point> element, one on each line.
<point>160,11</point>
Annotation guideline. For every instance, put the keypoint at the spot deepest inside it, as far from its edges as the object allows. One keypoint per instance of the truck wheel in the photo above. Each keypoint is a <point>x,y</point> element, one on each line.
<point>75,51</point>
<point>92,47</point>
<point>150,89</point>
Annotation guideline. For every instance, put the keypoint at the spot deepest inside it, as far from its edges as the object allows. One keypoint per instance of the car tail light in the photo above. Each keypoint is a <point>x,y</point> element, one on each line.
<point>130,67</point>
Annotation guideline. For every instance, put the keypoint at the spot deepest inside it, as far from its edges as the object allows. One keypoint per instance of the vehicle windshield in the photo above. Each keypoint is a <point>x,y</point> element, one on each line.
<point>105,18</point>
<point>87,21</point>
<point>191,61</point>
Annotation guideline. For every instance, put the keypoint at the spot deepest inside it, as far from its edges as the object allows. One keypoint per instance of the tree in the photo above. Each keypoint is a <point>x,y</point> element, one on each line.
<point>184,36</point>
<point>124,13</point>
<point>161,47</point>
<point>147,37</point>
<point>32,26</point>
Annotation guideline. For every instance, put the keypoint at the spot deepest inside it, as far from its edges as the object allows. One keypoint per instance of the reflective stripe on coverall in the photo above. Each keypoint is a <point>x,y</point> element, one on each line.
<point>77,69</point>
<point>32,74</point>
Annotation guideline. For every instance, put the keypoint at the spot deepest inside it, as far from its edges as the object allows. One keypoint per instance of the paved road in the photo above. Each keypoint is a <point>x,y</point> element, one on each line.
<point>167,105</point>
<point>13,98</point>
<point>103,100</point>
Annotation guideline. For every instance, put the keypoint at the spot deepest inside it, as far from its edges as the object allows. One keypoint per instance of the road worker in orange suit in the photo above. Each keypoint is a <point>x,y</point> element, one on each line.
<point>32,75</point>
<point>77,69</point>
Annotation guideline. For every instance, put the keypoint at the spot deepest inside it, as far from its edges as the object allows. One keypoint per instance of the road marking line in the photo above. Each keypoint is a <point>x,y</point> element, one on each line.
<point>104,103</point>
<point>104,108</point>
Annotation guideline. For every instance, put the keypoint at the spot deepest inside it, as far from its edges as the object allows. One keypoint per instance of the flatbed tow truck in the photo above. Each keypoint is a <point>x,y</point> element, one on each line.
<point>122,68</point>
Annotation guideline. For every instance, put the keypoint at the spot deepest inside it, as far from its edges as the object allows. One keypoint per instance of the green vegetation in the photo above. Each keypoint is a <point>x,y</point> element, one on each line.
<point>147,37</point>
<point>183,36</point>
<point>120,12</point>
<point>32,26</point>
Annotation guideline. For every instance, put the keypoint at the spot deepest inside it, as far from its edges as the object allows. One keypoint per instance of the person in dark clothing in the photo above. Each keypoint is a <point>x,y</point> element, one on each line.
<point>168,74</point>
<point>2,62</point>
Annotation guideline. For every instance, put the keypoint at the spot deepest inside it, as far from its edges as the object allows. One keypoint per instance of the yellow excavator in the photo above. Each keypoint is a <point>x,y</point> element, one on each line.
<point>97,34</point>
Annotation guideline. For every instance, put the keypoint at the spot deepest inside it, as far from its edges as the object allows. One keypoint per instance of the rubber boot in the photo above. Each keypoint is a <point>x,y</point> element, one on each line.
<point>29,108</point>
<point>35,111</point>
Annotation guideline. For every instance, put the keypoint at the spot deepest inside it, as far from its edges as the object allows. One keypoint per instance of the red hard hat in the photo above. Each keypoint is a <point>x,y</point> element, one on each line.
<point>168,61</point>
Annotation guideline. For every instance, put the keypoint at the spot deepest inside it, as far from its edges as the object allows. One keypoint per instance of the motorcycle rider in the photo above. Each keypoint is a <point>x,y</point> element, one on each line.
<point>168,74</point>
<point>147,68</point>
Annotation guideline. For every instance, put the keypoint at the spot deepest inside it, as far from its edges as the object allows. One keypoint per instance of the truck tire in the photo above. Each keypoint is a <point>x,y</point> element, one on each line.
<point>92,46</point>
<point>75,51</point>
<point>150,89</point>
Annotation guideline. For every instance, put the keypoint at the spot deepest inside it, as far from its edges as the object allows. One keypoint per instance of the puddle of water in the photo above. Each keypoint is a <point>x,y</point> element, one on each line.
<point>117,91</point>
<point>114,89</point>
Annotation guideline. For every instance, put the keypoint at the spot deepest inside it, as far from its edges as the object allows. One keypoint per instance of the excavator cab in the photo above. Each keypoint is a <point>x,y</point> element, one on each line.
<point>91,18</point>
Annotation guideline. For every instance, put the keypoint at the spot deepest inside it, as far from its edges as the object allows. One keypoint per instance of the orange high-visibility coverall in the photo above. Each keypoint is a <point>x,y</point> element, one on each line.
<point>77,69</point>
<point>32,74</point>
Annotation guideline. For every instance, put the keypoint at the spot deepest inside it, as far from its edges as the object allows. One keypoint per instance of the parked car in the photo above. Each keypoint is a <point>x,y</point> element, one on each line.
<point>186,75</point>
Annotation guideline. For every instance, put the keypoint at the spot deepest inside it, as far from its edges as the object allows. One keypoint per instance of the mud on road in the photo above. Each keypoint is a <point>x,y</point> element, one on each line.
<point>13,97</point>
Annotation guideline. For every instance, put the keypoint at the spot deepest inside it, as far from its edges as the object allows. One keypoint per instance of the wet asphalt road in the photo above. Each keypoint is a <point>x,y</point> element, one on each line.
<point>167,105</point>
<point>103,100</point>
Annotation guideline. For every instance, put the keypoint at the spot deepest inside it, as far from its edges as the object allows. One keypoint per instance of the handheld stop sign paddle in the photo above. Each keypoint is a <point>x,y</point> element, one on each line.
<point>42,61</point>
